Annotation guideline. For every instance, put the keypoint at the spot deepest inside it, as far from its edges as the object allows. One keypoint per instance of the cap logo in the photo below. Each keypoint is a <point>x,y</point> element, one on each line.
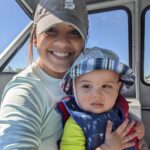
<point>69,4</point>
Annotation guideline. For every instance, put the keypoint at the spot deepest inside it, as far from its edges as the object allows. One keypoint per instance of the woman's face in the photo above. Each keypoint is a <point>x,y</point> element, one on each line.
<point>58,48</point>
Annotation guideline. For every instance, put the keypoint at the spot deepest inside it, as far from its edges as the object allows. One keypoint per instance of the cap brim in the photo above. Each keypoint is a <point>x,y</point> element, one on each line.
<point>51,20</point>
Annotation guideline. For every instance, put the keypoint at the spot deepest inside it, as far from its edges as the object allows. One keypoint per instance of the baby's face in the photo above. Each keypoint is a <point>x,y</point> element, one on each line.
<point>97,91</point>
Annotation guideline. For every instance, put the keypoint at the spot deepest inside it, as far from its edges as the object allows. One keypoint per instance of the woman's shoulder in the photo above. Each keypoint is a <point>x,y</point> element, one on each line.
<point>33,80</point>
<point>29,72</point>
<point>26,79</point>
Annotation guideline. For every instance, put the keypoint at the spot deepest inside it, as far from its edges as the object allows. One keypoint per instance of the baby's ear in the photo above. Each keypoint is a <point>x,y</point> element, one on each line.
<point>120,85</point>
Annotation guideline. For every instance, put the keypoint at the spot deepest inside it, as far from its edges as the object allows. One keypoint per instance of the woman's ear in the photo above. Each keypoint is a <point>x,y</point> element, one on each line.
<point>34,39</point>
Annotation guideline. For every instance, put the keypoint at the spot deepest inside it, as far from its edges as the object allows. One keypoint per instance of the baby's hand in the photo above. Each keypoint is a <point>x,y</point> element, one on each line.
<point>113,141</point>
<point>140,130</point>
<point>118,139</point>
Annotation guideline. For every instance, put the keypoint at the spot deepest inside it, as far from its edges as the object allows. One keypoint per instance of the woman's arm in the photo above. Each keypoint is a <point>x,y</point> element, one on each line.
<point>140,131</point>
<point>19,120</point>
<point>139,126</point>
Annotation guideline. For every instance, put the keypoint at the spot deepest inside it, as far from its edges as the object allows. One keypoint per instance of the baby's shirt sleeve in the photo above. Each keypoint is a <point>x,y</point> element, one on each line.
<point>73,136</point>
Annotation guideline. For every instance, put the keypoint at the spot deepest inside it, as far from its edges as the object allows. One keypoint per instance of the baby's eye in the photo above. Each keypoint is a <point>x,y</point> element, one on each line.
<point>107,86</point>
<point>86,86</point>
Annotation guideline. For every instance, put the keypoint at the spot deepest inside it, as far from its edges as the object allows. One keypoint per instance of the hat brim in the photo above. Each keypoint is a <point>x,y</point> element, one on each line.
<point>85,66</point>
<point>51,20</point>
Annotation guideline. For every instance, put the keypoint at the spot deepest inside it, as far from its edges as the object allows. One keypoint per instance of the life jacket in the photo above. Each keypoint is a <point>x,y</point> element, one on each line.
<point>94,125</point>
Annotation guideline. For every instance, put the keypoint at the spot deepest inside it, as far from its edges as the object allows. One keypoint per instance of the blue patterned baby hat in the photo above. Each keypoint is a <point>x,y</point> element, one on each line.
<point>97,59</point>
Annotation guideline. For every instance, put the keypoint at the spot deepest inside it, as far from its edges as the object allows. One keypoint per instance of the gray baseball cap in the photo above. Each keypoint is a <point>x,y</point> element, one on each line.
<point>51,12</point>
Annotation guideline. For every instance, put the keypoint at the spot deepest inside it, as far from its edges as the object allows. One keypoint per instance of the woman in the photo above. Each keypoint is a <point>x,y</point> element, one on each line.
<point>28,115</point>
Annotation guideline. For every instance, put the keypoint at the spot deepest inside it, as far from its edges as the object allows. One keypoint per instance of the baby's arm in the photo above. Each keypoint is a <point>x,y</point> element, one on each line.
<point>73,137</point>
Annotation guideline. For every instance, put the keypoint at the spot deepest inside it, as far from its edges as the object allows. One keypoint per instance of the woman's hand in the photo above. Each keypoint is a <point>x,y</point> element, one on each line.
<point>118,140</point>
<point>142,145</point>
<point>140,130</point>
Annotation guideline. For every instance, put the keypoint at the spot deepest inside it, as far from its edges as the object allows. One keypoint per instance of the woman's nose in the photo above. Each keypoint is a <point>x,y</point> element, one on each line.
<point>62,41</point>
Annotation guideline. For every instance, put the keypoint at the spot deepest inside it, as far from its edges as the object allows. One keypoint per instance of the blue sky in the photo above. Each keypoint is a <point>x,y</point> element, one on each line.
<point>15,20</point>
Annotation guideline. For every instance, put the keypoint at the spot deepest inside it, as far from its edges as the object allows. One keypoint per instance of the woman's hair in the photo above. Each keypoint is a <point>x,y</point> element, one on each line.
<point>30,44</point>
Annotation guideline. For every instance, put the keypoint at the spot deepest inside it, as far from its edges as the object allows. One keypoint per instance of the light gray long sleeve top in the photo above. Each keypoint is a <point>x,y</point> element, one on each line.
<point>29,119</point>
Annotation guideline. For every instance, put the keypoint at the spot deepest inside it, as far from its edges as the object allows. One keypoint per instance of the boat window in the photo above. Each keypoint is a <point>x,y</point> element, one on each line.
<point>110,30</point>
<point>13,21</point>
<point>147,47</point>
<point>20,61</point>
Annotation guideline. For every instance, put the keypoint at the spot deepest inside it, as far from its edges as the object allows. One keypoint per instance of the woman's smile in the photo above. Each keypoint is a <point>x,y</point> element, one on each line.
<point>61,55</point>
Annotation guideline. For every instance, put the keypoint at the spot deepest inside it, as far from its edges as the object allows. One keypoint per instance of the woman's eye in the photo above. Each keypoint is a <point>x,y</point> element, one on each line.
<point>51,31</point>
<point>107,86</point>
<point>75,33</point>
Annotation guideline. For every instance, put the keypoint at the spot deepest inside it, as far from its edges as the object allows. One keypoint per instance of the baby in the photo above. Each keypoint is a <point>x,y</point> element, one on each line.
<point>93,86</point>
